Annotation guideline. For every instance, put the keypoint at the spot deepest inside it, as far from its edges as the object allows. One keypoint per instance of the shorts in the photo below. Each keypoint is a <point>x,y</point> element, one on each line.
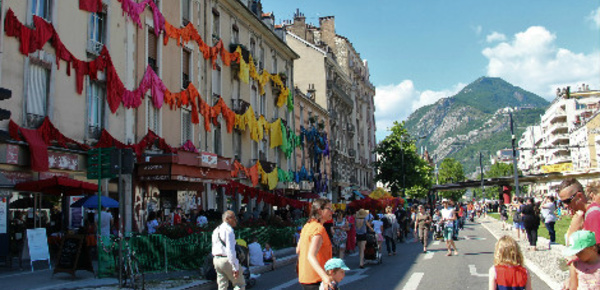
<point>518,225</point>
<point>361,237</point>
<point>448,231</point>
<point>379,237</point>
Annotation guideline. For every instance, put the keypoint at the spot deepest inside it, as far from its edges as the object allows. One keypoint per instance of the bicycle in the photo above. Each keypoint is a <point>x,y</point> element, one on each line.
<point>128,269</point>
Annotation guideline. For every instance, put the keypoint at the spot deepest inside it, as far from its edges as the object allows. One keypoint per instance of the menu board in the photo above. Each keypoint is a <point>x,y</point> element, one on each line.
<point>73,255</point>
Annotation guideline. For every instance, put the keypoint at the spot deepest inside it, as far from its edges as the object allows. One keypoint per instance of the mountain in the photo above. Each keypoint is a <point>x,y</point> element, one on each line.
<point>475,119</point>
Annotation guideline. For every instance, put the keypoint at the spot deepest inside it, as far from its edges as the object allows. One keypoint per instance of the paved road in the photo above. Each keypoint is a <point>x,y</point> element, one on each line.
<point>412,269</point>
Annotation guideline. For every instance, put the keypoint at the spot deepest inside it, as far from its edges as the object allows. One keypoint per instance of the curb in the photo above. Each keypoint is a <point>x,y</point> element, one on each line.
<point>553,284</point>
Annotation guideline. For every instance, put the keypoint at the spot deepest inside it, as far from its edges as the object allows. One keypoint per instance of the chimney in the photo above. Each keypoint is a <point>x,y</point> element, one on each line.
<point>298,27</point>
<point>327,27</point>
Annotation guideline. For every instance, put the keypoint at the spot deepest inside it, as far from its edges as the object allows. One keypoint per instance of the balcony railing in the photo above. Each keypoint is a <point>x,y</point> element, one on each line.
<point>239,106</point>
<point>352,152</point>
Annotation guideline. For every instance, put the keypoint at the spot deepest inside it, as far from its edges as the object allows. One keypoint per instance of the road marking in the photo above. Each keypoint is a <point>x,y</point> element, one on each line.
<point>474,238</point>
<point>414,281</point>
<point>436,243</point>
<point>473,271</point>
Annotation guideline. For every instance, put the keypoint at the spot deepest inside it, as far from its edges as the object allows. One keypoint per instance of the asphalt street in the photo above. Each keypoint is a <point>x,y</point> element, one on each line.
<point>413,269</point>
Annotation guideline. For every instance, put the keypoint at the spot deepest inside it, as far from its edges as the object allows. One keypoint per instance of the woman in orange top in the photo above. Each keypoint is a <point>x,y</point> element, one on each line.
<point>314,248</point>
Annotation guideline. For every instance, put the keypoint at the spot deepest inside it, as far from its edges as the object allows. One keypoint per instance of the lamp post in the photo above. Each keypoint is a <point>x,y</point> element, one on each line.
<point>514,153</point>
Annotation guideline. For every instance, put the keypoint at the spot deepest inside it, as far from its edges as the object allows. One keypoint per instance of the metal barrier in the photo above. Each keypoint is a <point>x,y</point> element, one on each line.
<point>157,253</point>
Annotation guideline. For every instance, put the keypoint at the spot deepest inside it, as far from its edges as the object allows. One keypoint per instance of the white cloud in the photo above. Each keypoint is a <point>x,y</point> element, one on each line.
<point>397,102</point>
<point>595,17</point>
<point>532,61</point>
<point>478,29</point>
<point>495,36</point>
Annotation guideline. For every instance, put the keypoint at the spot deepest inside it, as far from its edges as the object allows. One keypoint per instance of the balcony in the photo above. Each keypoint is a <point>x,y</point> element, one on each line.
<point>558,127</point>
<point>558,139</point>
<point>352,153</point>
<point>239,106</point>
<point>340,92</point>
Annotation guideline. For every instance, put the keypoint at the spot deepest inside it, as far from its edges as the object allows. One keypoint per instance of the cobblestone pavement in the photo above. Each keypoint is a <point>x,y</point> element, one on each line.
<point>548,264</point>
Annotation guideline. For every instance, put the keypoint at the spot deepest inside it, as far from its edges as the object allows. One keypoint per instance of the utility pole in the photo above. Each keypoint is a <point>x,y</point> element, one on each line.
<point>514,153</point>
<point>480,168</point>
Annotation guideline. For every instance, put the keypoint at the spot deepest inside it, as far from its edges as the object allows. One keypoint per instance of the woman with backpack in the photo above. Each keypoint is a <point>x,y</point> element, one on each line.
<point>390,230</point>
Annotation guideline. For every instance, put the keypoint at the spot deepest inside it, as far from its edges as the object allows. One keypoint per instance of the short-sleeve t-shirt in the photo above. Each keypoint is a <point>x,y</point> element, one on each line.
<point>306,274</point>
<point>592,220</point>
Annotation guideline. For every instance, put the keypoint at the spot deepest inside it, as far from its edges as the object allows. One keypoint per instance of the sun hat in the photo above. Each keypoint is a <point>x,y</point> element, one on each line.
<point>362,213</point>
<point>578,241</point>
<point>336,263</point>
<point>445,200</point>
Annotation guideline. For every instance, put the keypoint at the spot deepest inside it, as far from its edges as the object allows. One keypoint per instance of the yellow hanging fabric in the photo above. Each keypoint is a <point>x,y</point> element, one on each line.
<point>283,96</point>
<point>252,68</point>
<point>272,179</point>
<point>244,73</point>
<point>276,136</point>
<point>260,127</point>
<point>262,81</point>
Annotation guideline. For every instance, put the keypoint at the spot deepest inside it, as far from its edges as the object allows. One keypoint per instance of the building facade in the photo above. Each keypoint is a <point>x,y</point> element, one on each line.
<point>193,86</point>
<point>342,79</point>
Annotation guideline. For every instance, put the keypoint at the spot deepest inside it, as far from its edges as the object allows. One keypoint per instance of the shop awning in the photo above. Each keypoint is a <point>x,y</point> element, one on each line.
<point>57,185</point>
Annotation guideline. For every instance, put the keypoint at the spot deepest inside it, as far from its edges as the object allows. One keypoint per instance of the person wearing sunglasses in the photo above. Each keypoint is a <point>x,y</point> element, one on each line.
<point>586,213</point>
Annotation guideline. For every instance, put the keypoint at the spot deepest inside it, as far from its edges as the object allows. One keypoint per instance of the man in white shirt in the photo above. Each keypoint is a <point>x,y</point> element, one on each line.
<point>256,253</point>
<point>106,221</point>
<point>225,260</point>
<point>449,218</point>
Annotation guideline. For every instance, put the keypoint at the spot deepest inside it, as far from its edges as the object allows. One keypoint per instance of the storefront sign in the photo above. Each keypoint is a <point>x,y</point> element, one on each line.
<point>208,159</point>
<point>15,177</point>
<point>155,177</point>
<point>75,213</point>
<point>12,154</point>
<point>48,175</point>
<point>563,167</point>
<point>63,160</point>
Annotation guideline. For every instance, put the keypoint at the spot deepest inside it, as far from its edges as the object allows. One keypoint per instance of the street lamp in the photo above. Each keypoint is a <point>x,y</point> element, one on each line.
<point>514,153</point>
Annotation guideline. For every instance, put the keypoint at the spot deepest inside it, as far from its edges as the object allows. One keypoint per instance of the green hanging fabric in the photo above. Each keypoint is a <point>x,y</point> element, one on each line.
<point>290,101</point>
<point>284,139</point>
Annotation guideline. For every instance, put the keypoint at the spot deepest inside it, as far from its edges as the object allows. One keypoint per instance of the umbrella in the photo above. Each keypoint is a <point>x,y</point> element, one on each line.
<point>57,185</point>
<point>92,202</point>
<point>28,202</point>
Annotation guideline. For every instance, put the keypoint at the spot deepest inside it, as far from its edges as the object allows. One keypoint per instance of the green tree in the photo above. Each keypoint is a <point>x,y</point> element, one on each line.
<point>451,171</point>
<point>399,165</point>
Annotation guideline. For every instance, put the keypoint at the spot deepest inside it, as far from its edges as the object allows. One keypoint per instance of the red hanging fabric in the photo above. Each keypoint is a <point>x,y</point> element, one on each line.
<point>90,5</point>
<point>38,150</point>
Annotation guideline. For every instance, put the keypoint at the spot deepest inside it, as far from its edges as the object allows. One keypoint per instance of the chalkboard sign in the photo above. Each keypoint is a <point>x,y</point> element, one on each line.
<point>73,255</point>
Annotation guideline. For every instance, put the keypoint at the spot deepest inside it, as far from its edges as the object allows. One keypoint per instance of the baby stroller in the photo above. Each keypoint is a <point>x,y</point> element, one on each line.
<point>243,255</point>
<point>372,250</point>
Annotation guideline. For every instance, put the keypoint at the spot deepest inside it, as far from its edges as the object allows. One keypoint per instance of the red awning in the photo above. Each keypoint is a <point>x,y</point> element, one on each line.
<point>57,185</point>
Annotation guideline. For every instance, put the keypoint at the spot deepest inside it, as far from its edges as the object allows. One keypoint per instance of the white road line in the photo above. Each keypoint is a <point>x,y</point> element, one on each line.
<point>413,281</point>
<point>473,272</point>
<point>436,243</point>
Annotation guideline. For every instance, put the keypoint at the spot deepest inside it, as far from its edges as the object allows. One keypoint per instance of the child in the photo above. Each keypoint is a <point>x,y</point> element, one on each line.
<point>336,270</point>
<point>508,271</point>
<point>268,256</point>
<point>585,272</point>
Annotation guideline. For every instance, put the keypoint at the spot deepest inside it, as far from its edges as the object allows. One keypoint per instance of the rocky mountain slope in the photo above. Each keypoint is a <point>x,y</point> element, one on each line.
<point>475,119</point>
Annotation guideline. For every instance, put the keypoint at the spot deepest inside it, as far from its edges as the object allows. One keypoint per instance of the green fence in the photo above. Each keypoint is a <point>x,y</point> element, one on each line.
<point>157,253</point>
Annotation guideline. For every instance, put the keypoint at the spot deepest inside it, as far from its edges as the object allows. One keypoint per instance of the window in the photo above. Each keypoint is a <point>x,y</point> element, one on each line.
<point>218,147</point>
<point>237,145</point>
<point>38,89</point>
<point>274,61</point>
<point>97,32</point>
<point>252,47</point>
<point>96,94</point>
<point>216,26</point>
<point>262,104</point>
<point>152,116</point>
<point>261,58</point>
<point>41,8</point>
<point>275,109</point>
<point>186,125</point>
<point>185,12</point>
<point>235,90</point>
<point>152,50</point>
<point>235,34</point>
<point>216,81</point>
<point>185,68</point>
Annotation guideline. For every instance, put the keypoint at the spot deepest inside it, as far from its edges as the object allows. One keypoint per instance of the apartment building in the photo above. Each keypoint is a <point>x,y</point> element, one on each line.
<point>342,79</point>
<point>169,82</point>
<point>564,142</point>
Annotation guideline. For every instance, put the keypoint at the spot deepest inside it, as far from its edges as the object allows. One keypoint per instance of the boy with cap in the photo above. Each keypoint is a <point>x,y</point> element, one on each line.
<point>584,272</point>
<point>336,270</point>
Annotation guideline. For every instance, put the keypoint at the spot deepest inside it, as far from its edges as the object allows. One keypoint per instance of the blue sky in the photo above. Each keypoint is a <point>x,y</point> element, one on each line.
<point>421,51</point>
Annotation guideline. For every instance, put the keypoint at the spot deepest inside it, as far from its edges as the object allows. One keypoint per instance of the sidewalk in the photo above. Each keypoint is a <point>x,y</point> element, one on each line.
<point>545,263</point>
<point>42,278</point>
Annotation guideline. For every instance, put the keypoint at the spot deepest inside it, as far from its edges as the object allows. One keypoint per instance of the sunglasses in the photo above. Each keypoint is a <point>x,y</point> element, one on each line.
<point>568,200</point>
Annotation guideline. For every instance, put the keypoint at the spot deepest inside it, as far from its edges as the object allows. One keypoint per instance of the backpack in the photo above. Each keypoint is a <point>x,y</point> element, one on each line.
<point>386,222</point>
